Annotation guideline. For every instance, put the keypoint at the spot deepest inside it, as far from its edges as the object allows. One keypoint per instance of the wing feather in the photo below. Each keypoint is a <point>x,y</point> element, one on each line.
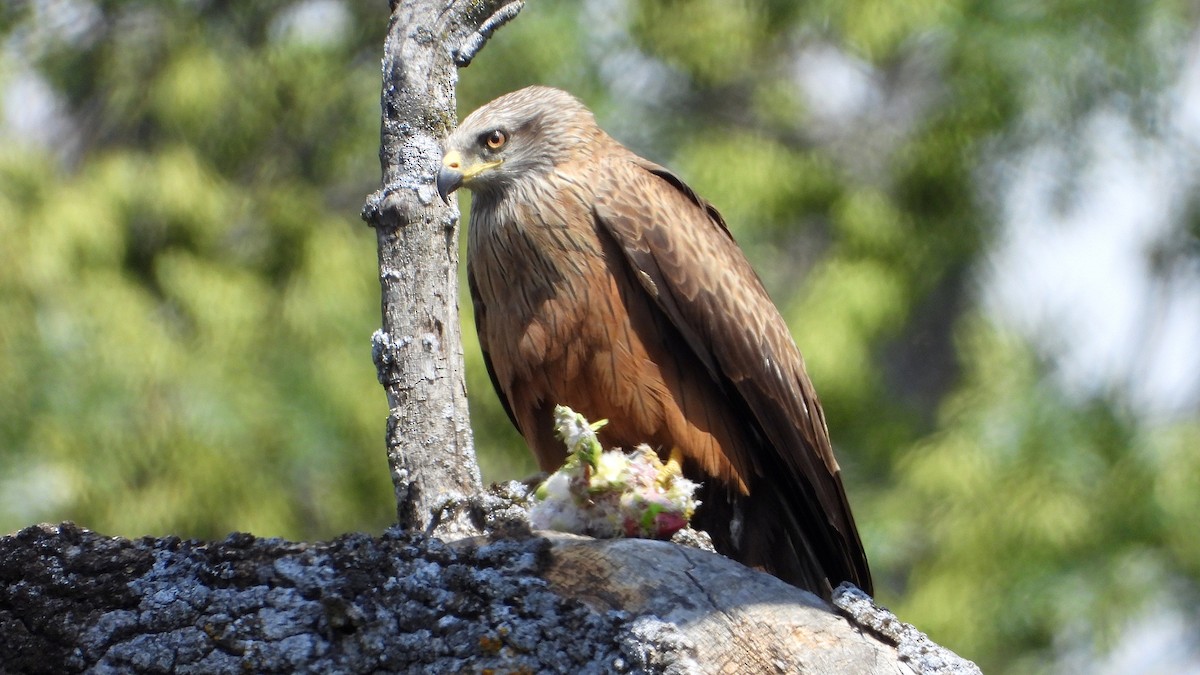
<point>685,258</point>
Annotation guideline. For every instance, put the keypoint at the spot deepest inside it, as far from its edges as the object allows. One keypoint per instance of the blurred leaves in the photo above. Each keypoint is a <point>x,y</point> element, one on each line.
<point>1017,498</point>
<point>189,293</point>
<point>186,291</point>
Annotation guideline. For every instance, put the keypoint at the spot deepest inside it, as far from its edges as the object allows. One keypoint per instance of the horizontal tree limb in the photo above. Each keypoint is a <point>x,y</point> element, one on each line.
<point>74,600</point>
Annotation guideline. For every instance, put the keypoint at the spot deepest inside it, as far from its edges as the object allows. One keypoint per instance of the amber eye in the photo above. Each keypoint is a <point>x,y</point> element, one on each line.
<point>496,139</point>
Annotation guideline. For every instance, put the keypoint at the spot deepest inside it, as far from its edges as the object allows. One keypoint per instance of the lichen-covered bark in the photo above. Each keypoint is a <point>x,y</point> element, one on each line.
<point>418,350</point>
<point>914,647</point>
<point>72,601</point>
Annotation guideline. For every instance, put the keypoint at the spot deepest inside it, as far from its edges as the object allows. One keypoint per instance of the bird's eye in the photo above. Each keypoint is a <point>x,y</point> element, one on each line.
<point>496,139</point>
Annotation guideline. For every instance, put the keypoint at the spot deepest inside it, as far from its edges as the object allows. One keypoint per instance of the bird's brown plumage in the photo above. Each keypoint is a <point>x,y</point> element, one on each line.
<point>602,282</point>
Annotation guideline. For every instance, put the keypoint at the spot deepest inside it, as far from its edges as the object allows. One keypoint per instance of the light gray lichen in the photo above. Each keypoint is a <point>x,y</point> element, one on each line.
<point>390,604</point>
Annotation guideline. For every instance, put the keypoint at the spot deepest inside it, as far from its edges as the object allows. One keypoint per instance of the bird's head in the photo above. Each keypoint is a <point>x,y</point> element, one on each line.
<point>516,136</point>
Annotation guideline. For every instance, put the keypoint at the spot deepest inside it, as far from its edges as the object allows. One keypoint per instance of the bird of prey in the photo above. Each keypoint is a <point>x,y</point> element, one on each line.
<point>601,281</point>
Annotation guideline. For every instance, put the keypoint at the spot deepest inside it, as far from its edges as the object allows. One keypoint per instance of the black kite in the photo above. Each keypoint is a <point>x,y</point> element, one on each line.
<point>601,281</point>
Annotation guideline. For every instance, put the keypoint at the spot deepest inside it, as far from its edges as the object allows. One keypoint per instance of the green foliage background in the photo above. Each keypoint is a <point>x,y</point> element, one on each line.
<point>187,292</point>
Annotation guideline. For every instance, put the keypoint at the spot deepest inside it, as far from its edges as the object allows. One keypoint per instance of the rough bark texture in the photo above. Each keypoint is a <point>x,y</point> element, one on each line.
<point>418,352</point>
<point>72,600</point>
<point>914,647</point>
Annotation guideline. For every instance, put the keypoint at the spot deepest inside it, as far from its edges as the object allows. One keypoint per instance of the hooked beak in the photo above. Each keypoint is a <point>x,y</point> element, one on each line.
<point>454,174</point>
<point>450,176</point>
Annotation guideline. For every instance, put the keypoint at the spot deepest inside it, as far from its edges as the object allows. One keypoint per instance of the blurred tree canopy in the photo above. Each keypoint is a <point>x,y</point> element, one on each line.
<point>187,292</point>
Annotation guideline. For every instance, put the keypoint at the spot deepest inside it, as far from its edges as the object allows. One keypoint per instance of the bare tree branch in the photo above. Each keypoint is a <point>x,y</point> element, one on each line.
<point>418,351</point>
<point>465,52</point>
<point>915,648</point>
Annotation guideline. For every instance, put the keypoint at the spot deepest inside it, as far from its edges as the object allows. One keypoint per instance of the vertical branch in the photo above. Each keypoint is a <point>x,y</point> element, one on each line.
<point>418,350</point>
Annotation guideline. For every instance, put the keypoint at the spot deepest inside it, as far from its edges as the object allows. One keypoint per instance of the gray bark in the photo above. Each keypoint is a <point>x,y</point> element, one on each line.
<point>418,350</point>
<point>72,601</point>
